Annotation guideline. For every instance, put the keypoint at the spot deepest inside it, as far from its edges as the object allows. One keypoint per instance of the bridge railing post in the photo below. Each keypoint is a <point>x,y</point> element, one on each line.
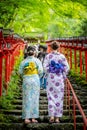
<point>86,63</point>
<point>1,60</point>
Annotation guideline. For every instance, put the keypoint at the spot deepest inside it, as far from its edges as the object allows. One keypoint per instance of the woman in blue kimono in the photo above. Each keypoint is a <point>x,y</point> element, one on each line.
<point>56,67</point>
<point>31,69</point>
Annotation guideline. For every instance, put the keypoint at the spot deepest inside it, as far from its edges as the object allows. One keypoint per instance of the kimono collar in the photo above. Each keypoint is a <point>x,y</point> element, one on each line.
<point>55,52</point>
<point>29,57</point>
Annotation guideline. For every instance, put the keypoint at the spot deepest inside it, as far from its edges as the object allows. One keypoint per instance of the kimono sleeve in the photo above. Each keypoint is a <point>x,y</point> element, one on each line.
<point>20,71</point>
<point>46,64</point>
<point>66,65</point>
<point>40,67</point>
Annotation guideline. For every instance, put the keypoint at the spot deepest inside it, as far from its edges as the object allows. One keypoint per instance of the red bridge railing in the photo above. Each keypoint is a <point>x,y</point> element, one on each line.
<point>75,102</point>
<point>10,47</point>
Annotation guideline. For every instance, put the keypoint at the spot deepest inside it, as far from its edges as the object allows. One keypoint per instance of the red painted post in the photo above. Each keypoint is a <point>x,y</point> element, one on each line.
<point>48,49</point>
<point>86,63</point>
<point>1,59</point>
<point>75,60</point>
<point>10,61</point>
<point>8,67</point>
<point>67,50</point>
<point>80,57</point>
<point>71,58</point>
<point>74,112</point>
<point>6,71</point>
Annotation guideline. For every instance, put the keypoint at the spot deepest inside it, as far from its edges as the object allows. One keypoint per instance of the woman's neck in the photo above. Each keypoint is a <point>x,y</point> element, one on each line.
<point>31,56</point>
<point>54,51</point>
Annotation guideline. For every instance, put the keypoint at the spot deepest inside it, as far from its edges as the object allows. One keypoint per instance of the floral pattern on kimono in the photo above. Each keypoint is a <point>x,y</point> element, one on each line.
<point>56,67</point>
<point>31,69</point>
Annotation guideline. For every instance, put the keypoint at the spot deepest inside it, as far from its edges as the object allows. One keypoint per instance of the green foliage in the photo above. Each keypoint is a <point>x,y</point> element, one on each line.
<point>52,18</point>
<point>13,88</point>
<point>6,119</point>
<point>65,27</point>
<point>80,80</point>
<point>84,28</point>
<point>2,117</point>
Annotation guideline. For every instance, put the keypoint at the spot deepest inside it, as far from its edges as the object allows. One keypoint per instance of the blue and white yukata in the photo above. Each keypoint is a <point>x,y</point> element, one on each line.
<point>31,69</point>
<point>56,67</point>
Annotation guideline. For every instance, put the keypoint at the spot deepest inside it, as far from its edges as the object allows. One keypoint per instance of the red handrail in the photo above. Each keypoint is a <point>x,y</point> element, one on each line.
<point>75,102</point>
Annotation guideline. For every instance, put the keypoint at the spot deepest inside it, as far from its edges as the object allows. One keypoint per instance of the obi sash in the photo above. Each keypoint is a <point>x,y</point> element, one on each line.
<point>56,67</point>
<point>30,68</point>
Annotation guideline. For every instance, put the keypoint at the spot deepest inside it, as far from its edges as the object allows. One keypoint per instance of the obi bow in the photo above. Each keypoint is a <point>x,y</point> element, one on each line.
<point>56,67</point>
<point>30,68</point>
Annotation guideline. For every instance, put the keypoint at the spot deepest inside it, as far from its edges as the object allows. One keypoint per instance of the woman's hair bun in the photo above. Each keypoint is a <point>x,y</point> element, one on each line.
<point>31,50</point>
<point>54,45</point>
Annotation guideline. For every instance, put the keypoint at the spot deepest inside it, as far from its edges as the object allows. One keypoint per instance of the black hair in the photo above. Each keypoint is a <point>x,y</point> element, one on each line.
<point>44,47</point>
<point>54,45</point>
<point>30,50</point>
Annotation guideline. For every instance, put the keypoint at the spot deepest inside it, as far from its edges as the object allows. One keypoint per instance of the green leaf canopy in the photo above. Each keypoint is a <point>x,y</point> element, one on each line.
<point>51,18</point>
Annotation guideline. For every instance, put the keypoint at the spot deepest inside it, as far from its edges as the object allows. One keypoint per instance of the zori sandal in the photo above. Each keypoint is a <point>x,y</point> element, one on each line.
<point>27,121</point>
<point>51,120</point>
<point>34,121</point>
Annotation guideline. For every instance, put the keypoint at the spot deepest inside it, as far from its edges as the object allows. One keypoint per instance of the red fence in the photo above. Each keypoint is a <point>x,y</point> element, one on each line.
<point>75,101</point>
<point>10,46</point>
<point>75,50</point>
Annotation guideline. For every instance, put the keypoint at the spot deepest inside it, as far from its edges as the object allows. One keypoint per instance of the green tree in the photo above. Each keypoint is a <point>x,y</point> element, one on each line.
<point>54,18</point>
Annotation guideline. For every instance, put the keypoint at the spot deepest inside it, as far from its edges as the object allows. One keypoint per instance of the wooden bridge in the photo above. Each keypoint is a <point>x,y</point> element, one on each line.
<point>75,99</point>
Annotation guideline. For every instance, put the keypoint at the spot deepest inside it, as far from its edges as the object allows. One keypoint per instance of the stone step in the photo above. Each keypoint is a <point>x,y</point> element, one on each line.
<point>41,97</point>
<point>9,118</point>
<point>40,126</point>
<point>42,112</point>
<point>45,107</point>
<point>81,98</point>
<point>19,101</point>
<point>66,122</point>
<point>45,102</point>
<point>41,106</point>
<point>84,106</point>
<point>76,91</point>
<point>45,97</point>
<point>42,100</point>
<point>63,119</point>
<point>81,94</point>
